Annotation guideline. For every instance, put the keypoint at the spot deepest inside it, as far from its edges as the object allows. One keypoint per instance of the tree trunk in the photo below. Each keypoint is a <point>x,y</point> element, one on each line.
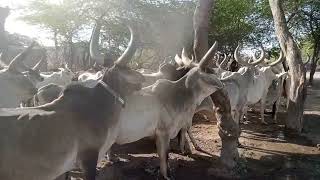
<point>72,61</point>
<point>56,45</point>
<point>228,129</point>
<point>4,13</point>
<point>201,27</point>
<point>297,73</point>
<point>314,62</point>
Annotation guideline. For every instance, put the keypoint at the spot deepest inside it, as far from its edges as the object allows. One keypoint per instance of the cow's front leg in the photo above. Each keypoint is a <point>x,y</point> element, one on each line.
<point>275,116</point>
<point>182,140</point>
<point>243,112</point>
<point>89,160</point>
<point>162,142</point>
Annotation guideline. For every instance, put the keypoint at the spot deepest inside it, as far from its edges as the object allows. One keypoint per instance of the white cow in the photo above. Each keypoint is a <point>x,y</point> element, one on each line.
<point>258,84</point>
<point>163,109</point>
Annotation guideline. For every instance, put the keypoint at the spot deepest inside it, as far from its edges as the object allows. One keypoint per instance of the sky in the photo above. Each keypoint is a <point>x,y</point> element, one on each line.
<point>13,25</point>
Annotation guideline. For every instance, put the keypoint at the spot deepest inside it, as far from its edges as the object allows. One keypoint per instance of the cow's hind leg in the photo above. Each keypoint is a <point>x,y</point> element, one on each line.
<point>276,109</point>
<point>162,142</point>
<point>183,141</point>
<point>262,107</point>
<point>89,160</point>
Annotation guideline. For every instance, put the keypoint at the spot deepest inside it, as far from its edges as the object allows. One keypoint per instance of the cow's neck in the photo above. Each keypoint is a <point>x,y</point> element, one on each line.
<point>113,82</point>
<point>194,94</point>
<point>258,87</point>
<point>175,95</point>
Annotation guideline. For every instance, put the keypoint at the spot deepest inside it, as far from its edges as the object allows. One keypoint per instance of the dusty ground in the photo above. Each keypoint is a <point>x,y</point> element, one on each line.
<point>267,153</point>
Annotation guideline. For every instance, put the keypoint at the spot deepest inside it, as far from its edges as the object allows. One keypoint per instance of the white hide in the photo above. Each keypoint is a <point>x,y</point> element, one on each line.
<point>63,77</point>
<point>90,76</point>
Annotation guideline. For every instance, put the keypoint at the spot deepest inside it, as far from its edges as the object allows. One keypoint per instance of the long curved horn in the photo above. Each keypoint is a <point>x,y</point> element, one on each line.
<point>38,65</point>
<point>178,60</point>
<point>238,58</point>
<point>224,62</point>
<point>280,59</point>
<point>20,57</point>
<point>185,59</point>
<point>218,61</point>
<point>94,44</point>
<point>261,58</point>
<point>208,56</point>
<point>131,49</point>
<point>308,60</point>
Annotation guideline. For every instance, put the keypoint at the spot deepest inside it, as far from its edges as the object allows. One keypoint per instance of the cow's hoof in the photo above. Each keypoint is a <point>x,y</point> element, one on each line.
<point>161,177</point>
<point>239,145</point>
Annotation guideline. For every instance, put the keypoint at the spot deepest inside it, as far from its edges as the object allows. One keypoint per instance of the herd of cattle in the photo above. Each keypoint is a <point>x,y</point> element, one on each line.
<point>76,123</point>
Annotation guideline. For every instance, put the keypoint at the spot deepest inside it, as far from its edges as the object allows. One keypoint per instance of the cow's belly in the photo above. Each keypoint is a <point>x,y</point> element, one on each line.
<point>24,159</point>
<point>135,129</point>
<point>138,119</point>
<point>182,120</point>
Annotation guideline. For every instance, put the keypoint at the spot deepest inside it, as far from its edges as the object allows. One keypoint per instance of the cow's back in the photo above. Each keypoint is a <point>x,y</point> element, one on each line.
<point>35,144</point>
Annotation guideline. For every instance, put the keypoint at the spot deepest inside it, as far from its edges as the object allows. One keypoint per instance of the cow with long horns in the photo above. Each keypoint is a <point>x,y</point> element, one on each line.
<point>15,81</point>
<point>46,141</point>
<point>259,79</point>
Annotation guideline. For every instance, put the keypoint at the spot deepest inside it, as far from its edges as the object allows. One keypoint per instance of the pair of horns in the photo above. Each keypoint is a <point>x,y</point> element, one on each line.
<point>21,57</point>
<point>255,60</point>
<point>186,62</point>
<point>223,63</point>
<point>99,57</point>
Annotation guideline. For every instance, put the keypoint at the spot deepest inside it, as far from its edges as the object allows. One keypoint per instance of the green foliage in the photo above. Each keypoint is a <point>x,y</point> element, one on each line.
<point>231,22</point>
<point>65,18</point>
<point>165,26</point>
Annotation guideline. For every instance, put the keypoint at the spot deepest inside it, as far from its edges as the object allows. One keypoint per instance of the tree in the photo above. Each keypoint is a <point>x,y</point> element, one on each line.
<point>297,72</point>
<point>311,16</point>
<point>64,19</point>
<point>228,129</point>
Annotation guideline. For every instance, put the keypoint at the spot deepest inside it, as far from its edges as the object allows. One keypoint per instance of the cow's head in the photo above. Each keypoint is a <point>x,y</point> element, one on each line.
<point>223,64</point>
<point>119,76</point>
<point>269,71</point>
<point>34,74</point>
<point>170,71</point>
<point>66,72</point>
<point>197,78</point>
<point>251,64</point>
<point>13,79</point>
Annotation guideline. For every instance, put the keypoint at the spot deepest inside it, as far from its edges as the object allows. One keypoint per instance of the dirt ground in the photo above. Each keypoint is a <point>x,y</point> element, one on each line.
<point>267,151</point>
